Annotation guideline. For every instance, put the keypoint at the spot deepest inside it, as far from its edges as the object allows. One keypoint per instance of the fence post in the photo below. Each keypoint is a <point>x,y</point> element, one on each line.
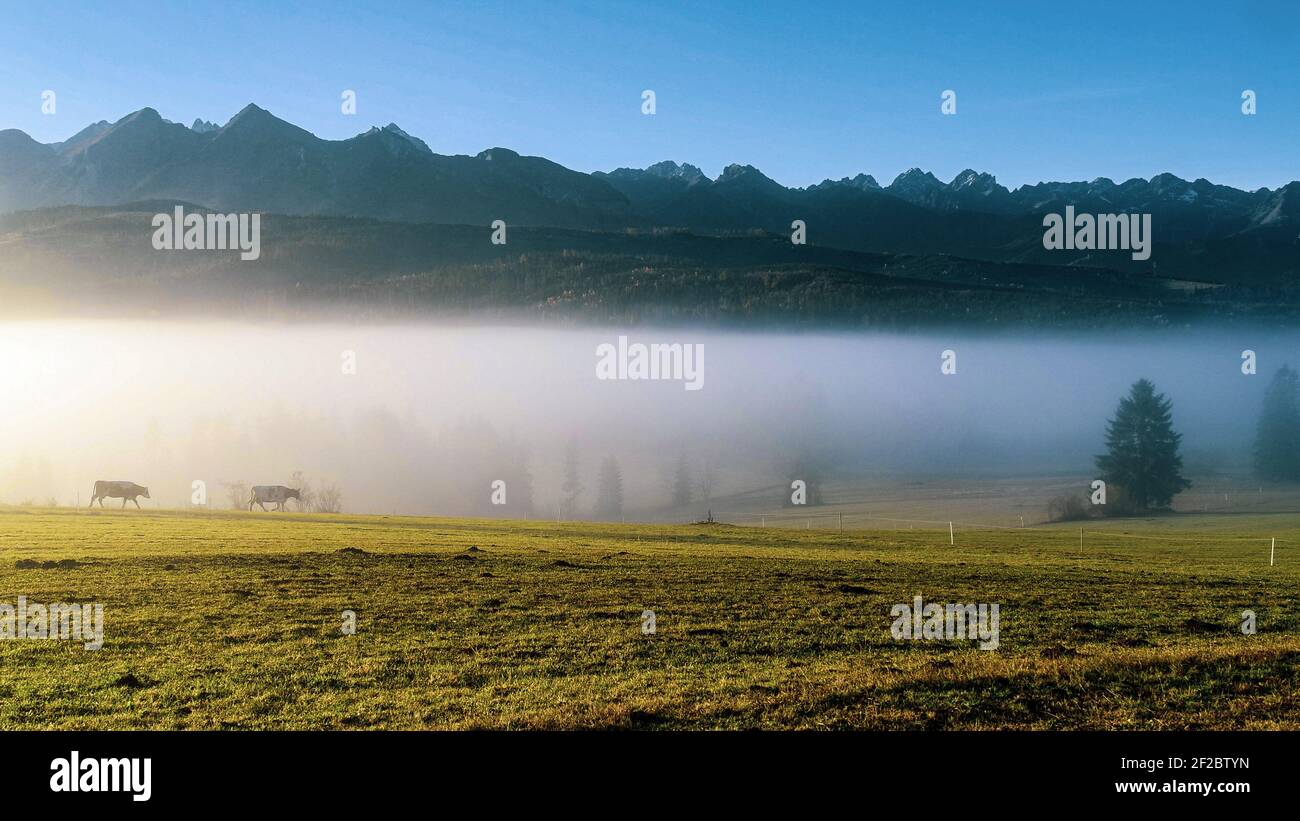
<point>1271,548</point>
<point>951,539</point>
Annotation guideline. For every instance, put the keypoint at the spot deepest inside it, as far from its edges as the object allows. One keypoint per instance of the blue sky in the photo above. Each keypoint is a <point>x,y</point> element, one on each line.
<point>1044,90</point>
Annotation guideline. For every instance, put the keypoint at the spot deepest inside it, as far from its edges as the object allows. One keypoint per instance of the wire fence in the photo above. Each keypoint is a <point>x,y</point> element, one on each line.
<point>837,521</point>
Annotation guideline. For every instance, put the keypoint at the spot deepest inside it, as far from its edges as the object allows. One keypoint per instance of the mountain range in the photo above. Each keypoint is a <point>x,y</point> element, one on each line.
<point>1204,233</point>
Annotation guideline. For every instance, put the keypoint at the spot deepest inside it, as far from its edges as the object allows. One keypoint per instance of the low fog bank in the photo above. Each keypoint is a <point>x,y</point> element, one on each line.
<point>424,419</point>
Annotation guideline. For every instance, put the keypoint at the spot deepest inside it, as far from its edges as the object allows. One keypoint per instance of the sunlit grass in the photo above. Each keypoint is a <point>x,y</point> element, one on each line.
<point>232,620</point>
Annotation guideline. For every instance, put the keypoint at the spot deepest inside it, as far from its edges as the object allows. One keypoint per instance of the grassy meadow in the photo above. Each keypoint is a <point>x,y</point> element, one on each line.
<point>233,620</point>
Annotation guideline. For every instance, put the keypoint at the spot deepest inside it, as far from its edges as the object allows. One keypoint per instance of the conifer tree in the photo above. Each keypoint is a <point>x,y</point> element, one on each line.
<point>609,494</point>
<point>1277,438</point>
<point>1142,457</point>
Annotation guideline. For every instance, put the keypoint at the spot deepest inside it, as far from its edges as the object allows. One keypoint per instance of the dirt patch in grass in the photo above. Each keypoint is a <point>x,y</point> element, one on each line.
<point>856,589</point>
<point>61,564</point>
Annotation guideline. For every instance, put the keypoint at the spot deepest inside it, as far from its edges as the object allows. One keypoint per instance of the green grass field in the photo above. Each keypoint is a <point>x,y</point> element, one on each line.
<point>233,620</point>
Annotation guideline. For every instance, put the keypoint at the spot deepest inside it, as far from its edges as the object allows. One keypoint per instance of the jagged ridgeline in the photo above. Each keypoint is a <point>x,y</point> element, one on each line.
<point>380,222</point>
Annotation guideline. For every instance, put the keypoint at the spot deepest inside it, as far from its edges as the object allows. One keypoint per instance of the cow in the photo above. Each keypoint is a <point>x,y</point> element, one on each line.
<point>272,494</point>
<point>119,490</point>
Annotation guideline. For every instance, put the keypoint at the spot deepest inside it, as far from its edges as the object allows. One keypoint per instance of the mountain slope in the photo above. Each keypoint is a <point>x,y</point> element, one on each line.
<point>258,162</point>
<point>77,260</point>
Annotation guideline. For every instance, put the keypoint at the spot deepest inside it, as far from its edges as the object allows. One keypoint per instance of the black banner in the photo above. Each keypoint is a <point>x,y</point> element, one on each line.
<point>140,772</point>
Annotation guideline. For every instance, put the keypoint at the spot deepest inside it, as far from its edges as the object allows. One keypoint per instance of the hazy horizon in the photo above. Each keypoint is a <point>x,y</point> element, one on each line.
<point>434,413</point>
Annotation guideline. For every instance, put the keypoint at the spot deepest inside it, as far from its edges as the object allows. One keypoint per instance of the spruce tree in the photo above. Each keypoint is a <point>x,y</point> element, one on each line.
<point>1142,458</point>
<point>682,491</point>
<point>609,495</point>
<point>572,486</point>
<point>1277,438</point>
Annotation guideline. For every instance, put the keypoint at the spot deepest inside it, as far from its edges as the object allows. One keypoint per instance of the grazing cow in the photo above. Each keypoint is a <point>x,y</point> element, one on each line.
<point>272,494</point>
<point>119,490</point>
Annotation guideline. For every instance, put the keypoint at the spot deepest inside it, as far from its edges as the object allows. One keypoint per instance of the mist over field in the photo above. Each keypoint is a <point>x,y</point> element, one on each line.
<point>433,414</point>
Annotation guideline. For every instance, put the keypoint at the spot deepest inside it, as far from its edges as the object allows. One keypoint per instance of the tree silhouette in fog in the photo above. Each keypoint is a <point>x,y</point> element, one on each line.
<point>1142,459</point>
<point>683,490</point>
<point>572,486</point>
<point>1277,438</point>
<point>609,494</point>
